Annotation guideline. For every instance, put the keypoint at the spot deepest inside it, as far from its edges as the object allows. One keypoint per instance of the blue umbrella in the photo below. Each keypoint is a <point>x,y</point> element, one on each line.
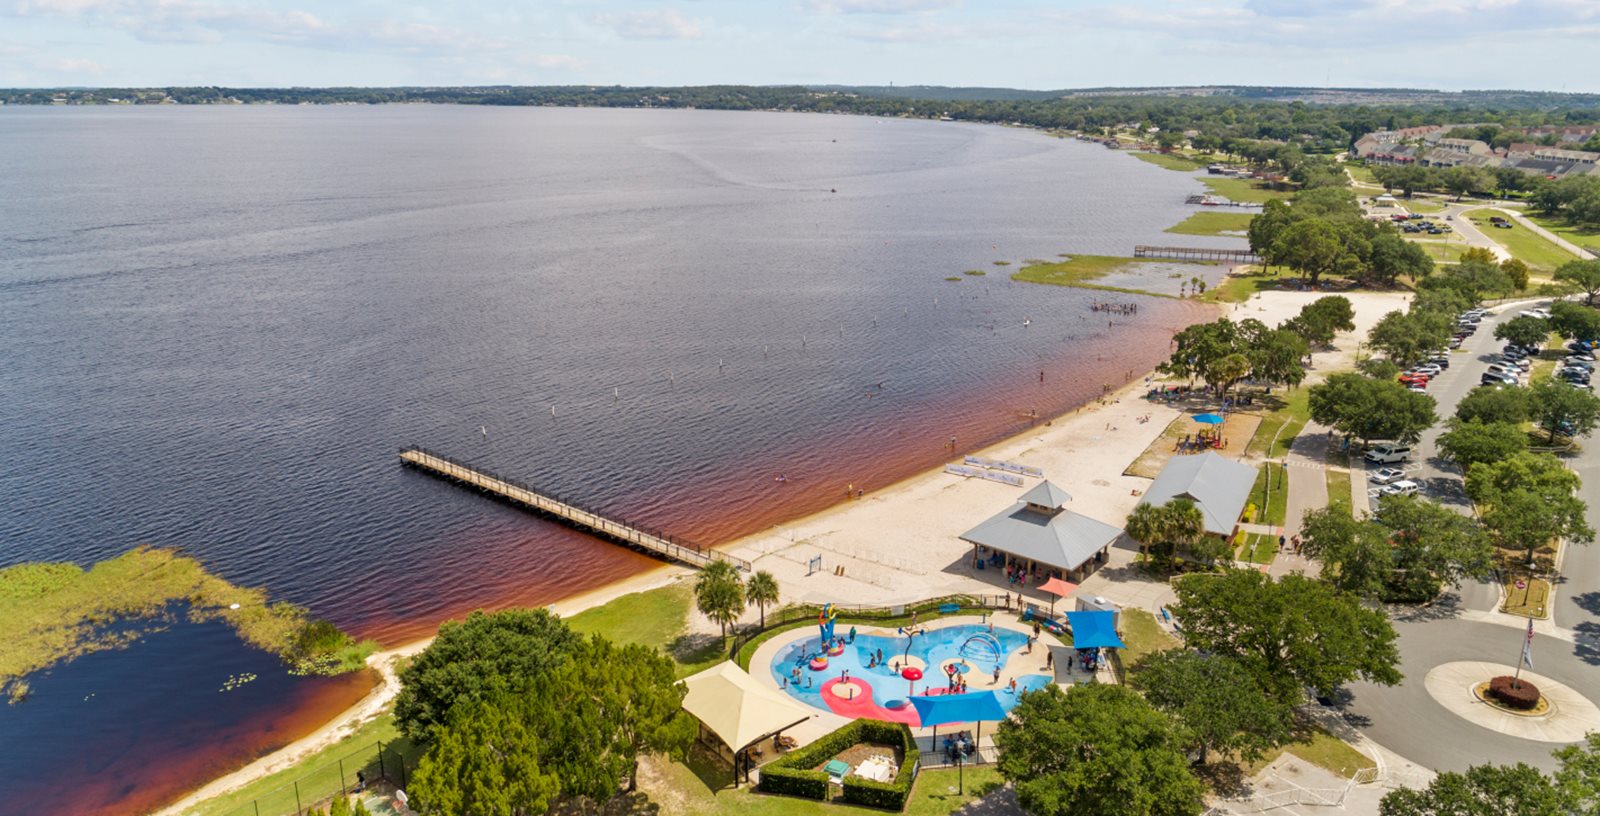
<point>1209,419</point>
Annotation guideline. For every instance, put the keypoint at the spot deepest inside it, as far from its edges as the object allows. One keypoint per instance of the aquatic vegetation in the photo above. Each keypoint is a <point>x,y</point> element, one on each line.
<point>975,272</point>
<point>956,278</point>
<point>234,681</point>
<point>60,611</point>
<point>1002,263</point>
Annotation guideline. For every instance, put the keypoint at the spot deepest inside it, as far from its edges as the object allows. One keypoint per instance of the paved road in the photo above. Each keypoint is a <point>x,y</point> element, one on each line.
<point>1406,720</point>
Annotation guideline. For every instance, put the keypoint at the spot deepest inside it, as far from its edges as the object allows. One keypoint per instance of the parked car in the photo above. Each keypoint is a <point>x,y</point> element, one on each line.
<point>1387,453</point>
<point>1503,225</point>
<point>1404,487</point>
<point>1574,375</point>
<point>1491,378</point>
<point>1427,369</point>
<point>1574,362</point>
<point>1506,369</point>
<point>1585,356</point>
<point>1413,379</point>
<point>1442,361</point>
<point>1455,342</point>
<point>1387,475</point>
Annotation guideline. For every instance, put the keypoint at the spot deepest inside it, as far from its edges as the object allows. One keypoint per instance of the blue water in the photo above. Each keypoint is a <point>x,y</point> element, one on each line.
<point>970,643</point>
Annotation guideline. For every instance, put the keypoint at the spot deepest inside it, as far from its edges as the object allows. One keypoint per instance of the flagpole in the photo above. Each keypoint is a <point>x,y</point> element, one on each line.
<point>1527,653</point>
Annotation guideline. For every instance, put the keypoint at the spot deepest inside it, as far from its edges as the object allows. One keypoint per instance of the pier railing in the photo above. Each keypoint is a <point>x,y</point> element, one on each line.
<point>1196,254</point>
<point>652,541</point>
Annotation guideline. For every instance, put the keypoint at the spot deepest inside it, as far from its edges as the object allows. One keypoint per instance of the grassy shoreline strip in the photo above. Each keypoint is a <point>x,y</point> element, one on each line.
<point>1213,222</point>
<point>1080,271</point>
<point>55,612</point>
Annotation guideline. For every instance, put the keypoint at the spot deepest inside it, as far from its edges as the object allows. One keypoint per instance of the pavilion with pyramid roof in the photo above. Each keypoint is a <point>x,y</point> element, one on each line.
<point>1040,534</point>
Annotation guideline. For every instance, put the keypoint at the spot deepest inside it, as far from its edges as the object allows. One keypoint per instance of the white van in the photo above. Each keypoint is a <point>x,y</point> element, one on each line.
<point>1388,453</point>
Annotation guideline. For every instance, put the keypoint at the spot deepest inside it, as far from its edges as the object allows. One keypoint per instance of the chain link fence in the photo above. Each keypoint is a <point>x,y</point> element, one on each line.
<point>381,765</point>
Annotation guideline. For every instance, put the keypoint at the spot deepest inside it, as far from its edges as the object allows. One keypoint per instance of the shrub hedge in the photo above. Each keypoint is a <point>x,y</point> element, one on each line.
<point>890,795</point>
<point>794,774</point>
<point>1518,694</point>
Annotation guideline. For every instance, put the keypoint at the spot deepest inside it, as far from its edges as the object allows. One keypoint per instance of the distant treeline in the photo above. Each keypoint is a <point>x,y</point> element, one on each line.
<point>1219,113</point>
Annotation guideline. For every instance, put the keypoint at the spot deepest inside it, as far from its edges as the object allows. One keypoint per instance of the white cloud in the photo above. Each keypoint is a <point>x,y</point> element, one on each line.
<point>649,24</point>
<point>554,62</point>
<point>879,6</point>
<point>77,66</point>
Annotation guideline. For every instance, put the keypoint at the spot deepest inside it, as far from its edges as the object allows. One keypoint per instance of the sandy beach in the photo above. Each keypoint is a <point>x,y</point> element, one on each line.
<point>901,544</point>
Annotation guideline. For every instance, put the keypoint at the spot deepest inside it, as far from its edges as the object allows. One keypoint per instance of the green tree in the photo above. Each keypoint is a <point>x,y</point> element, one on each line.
<point>1267,227</point>
<point>1484,790</point>
<point>1393,257</point>
<point>1529,500</point>
<point>1219,704</point>
<point>762,590</point>
<point>1433,547</point>
<point>1311,248</point>
<point>1524,330</point>
<point>1517,272</point>
<point>1096,749</point>
<point>1479,278</point>
<point>1470,443</point>
<point>1559,408</point>
<point>639,701</point>
<point>1408,338</point>
<point>1355,555</point>
<point>1509,405</point>
<point>1322,318</point>
<point>340,806</point>
<point>486,760</point>
<point>1291,634</point>
<point>481,657</point>
<point>719,593</point>
<point>1277,357</point>
<point>1585,275</point>
<point>1369,409</point>
<point>1574,321</point>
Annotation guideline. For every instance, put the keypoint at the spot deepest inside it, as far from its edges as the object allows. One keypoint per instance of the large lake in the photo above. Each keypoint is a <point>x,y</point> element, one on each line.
<point>220,324</point>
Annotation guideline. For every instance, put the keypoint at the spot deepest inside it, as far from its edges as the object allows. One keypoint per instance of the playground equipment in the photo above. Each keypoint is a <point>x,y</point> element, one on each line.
<point>825,619</point>
<point>982,648</point>
<point>819,663</point>
<point>912,674</point>
<point>836,649</point>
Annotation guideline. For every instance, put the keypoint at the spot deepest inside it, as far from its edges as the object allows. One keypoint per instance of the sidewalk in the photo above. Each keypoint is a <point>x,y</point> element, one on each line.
<point>1308,490</point>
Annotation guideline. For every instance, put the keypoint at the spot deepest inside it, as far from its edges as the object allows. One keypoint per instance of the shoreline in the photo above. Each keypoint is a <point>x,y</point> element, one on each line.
<point>384,663</point>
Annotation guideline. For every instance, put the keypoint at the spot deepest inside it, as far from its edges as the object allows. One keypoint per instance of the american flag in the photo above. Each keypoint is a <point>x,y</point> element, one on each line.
<point>1527,645</point>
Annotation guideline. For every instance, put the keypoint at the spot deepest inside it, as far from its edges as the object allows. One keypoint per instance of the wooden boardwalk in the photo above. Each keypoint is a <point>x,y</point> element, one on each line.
<point>1196,254</point>
<point>652,542</point>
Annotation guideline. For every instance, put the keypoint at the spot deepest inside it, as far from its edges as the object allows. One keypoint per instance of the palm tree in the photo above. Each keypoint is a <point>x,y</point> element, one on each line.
<point>1146,525</point>
<point>762,590</point>
<point>719,593</point>
<point>1184,523</point>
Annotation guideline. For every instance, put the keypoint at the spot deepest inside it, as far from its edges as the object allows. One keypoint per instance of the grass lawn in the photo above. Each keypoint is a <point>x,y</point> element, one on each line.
<point>1143,635</point>
<point>1171,161</point>
<point>1244,191</point>
<point>1258,548</point>
<point>1426,206</point>
<point>699,788</point>
<point>1079,271</point>
<point>1531,600</point>
<point>1323,750</point>
<point>1339,489</point>
<point>1275,504</point>
<point>1442,252</point>
<point>1523,244</point>
<point>657,617</point>
<point>318,774</point>
<point>1284,424</point>
<point>1361,173</point>
<point>1241,285</point>
<point>1585,237</point>
<point>1213,222</point>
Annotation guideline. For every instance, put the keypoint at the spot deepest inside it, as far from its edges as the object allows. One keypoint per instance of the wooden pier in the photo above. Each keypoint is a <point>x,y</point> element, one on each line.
<point>652,542</point>
<point>1196,254</point>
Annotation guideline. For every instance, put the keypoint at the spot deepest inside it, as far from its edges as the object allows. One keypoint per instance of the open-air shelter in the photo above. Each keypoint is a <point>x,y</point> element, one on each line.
<point>1218,486</point>
<point>944,709</point>
<point>740,712</point>
<point>1039,534</point>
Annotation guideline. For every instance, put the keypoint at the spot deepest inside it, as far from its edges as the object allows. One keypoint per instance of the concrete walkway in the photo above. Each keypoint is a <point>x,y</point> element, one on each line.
<point>1308,490</point>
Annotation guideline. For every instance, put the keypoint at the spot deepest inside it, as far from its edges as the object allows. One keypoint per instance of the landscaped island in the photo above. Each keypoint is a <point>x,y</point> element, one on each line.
<point>58,611</point>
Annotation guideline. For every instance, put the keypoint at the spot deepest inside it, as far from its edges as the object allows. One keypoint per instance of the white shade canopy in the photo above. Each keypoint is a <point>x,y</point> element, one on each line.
<point>737,708</point>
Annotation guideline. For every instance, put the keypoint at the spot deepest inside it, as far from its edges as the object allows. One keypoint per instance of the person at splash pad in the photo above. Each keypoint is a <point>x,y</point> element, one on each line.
<point>852,638</point>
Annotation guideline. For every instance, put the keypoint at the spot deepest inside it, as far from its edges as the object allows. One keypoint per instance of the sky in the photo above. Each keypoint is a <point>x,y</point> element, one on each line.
<point>1039,44</point>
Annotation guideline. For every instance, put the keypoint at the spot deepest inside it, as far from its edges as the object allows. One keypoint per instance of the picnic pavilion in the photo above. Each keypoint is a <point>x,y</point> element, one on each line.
<point>736,714</point>
<point>1039,534</point>
<point>1217,485</point>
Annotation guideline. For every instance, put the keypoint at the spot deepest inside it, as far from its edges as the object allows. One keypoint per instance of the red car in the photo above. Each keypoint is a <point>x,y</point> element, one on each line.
<point>1414,379</point>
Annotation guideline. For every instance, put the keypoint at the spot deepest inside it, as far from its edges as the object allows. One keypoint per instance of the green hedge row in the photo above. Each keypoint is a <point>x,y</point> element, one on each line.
<point>793,774</point>
<point>891,795</point>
